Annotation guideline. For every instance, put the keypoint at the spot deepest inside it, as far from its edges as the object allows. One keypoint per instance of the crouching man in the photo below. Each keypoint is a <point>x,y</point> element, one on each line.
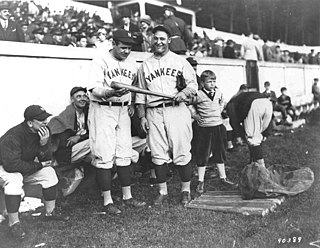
<point>70,139</point>
<point>25,158</point>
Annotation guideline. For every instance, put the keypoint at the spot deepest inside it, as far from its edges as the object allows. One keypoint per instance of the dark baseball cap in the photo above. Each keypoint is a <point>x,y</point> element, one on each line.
<point>123,36</point>
<point>77,89</point>
<point>162,28</point>
<point>35,112</point>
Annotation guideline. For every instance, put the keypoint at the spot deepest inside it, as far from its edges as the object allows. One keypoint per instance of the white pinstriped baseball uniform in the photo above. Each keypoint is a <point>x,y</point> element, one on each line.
<point>110,126</point>
<point>170,130</point>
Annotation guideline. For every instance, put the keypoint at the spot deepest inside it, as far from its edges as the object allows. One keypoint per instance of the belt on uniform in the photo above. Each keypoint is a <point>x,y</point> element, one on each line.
<point>113,103</point>
<point>165,104</point>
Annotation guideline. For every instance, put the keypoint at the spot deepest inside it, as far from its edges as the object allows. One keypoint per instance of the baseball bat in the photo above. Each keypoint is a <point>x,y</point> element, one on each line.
<point>117,85</point>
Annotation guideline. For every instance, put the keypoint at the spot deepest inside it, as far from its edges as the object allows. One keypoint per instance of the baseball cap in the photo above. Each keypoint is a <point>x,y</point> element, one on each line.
<point>35,112</point>
<point>123,36</point>
<point>162,28</point>
<point>77,89</point>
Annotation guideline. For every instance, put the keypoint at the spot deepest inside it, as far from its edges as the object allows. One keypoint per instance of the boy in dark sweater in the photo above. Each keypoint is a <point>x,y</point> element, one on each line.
<point>285,101</point>
<point>212,137</point>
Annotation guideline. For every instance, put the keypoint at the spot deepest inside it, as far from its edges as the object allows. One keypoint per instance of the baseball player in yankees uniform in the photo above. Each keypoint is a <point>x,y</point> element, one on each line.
<point>167,122</point>
<point>108,119</point>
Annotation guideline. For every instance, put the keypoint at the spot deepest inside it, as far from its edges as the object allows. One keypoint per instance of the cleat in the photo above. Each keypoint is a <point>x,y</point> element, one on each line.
<point>200,187</point>
<point>185,198</point>
<point>111,209</point>
<point>134,203</point>
<point>160,199</point>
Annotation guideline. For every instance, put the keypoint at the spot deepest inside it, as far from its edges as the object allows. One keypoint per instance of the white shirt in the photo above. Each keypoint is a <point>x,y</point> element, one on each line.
<point>4,23</point>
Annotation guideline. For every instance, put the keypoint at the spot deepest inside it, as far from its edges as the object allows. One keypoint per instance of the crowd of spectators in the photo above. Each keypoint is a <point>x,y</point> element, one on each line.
<point>81,29</point>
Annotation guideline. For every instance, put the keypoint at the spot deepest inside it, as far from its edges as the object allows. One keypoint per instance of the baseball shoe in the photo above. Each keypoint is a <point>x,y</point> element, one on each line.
<point>226,182</point>
<point>185,198</point>
<point>111,209</point>
<point>200,187</point>
<point>56,216</point>
<point>17,231</point>
<point>134,203</point>
<point>160,199</point>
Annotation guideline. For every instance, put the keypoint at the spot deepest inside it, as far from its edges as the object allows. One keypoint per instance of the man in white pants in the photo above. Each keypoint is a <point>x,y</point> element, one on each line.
<point>19,147</point>
<point>167,122</point>
<point>109,118</point>
<point>70,139</point>
<point>250,116</point>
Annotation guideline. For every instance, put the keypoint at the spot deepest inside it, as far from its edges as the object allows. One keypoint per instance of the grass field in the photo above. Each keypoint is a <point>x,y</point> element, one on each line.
<point>171,225</point>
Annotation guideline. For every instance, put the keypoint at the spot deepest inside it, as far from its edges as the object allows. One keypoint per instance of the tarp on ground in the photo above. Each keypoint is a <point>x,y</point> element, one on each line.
<point>257,181</point>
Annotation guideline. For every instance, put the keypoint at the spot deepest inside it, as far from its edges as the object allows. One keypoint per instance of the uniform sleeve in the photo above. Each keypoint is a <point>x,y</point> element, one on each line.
<point>97,73</point>
<point>190,79</point>
<point>11,153</point>
<point>141,83</point>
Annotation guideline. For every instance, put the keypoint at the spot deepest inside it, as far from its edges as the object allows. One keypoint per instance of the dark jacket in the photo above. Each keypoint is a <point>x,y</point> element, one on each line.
<point>63,127</point>
<point>238,109</point>
<point>12,33</point>
<point>228,52</point>
<point>18,149</point>
<point>179,33</point>
<point>285,101</point>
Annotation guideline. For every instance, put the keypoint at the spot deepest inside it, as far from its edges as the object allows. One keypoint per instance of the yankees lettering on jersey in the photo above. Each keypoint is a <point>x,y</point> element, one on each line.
<point>111,74</point>
<point>162,72</point>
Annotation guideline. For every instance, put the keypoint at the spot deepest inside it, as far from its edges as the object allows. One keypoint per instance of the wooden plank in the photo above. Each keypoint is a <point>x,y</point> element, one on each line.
<point>231,201</point>
<point>239,198</point>
<point>236,204</point>
<point>242,210</point>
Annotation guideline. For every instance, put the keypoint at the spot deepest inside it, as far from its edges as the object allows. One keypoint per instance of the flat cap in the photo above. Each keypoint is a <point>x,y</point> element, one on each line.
<point>123,36</point>
<point>35,112</point>
<point>162,28</point>
<point>77,89</point>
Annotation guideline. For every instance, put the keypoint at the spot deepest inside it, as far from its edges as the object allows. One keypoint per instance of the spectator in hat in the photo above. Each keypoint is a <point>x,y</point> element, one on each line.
<point>26,33</point>
<point>9,29</point>
<point>146,31</point>
<point>133,29</point>
<point>178,30</point>
<point>25,158</point>
<point>69,130</point>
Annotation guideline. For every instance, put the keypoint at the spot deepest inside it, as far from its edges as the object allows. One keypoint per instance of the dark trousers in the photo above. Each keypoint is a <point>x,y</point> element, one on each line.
<point>211,139</point>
